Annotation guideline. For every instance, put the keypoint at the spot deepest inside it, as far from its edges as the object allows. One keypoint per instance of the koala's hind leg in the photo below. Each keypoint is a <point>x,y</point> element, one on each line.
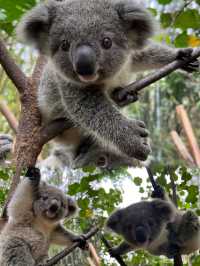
<point>16,253</point>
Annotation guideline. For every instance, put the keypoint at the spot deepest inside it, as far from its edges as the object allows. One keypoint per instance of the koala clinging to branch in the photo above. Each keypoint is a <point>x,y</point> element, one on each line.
<point>156,226</point>
<point>35,213</point>
<point>93,47</point>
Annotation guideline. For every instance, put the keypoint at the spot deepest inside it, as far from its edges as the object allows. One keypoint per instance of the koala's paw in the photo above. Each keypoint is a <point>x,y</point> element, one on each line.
<point>6,143</point>
<point>82,241</point>
<point>134,140</point>
<point>184,54</point>
<point>123,97</point>
<point>33,174</point>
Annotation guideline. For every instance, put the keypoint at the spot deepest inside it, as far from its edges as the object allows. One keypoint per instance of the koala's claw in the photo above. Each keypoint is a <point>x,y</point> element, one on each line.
<point>123,97</point>
<point>82,241</point>
<point>184,54</point>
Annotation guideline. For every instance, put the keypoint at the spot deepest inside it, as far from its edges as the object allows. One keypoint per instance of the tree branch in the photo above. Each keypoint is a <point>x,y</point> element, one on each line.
<point>138,85</point>
<point>12,121</point>
<point>67,251</point>
<point>11,68</point>
<point>108,245</point>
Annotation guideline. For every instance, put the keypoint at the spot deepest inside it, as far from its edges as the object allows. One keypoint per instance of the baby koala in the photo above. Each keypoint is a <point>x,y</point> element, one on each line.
<point>35,213</point>
<point>156,226</point>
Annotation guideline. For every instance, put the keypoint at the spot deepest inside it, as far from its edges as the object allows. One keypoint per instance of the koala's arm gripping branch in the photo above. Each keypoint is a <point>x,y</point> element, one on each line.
<point>11,68</point>
<point>137,86</point>
<point>67,251</point>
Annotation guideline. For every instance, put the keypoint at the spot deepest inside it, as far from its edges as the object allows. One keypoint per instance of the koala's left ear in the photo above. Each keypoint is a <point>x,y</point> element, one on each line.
<point>114,221</point>
<point>164,210</point>
<point>34,26</point>
<point>138,21</point>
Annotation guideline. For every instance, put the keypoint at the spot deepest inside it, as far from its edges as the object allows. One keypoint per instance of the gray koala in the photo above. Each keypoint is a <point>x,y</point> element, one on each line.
<point>35,213</point>
<point>88,153</point>
<point>156,226</point>
<point>93,47</point>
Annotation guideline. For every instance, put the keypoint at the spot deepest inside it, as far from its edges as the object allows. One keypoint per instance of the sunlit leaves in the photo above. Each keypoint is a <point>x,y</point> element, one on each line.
<point>188,19</point>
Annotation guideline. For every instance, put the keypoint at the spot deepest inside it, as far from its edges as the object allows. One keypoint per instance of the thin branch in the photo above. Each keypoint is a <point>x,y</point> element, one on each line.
<point>12,121</point>
<point>67,251</point>
<point>138,85</point>
<point>108,245</point>
<point>93,254</point>
<point>177,258</point>
<point>11,68</point>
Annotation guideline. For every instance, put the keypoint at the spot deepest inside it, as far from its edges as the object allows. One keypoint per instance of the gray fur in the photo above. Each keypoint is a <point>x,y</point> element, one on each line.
<point>35,213</point>
<point>59,29</point>
<point>166,231</point>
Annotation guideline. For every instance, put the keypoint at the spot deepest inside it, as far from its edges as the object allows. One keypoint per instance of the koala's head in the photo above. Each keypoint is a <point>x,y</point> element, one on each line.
<point>97,157</point>
<point>88,41</point>
<point>141,223</point>
<point>52,204</point>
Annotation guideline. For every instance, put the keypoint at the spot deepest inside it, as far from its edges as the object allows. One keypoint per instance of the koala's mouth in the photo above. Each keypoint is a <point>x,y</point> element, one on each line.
<point>89,78</point>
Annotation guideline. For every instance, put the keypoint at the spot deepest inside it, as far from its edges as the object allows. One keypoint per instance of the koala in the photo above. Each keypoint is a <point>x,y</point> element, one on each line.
<point>6,143</point>
<point>35,213</point>
<point>92,48</point>
<point>156,226</point>
<point>88,153</point>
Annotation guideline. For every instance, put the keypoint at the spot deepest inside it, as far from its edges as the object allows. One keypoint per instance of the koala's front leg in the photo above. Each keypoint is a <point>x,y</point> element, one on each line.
<point>155,56</point>
<point>63,237</point>
<point>122,249</point>
<point>94,112</point>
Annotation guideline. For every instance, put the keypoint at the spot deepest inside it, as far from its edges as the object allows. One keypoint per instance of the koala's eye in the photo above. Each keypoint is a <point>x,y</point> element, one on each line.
<point>102,162</point>
<point>65,45</point>
<point>106,43</point>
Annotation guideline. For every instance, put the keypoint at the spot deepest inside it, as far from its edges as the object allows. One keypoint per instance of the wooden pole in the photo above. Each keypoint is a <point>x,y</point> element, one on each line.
<point>181,148</point>
<point>182,114</point>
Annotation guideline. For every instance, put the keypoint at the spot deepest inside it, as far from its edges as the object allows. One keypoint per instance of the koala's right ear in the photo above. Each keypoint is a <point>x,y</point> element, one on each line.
<point>164,210</point>
<point>34,26</point>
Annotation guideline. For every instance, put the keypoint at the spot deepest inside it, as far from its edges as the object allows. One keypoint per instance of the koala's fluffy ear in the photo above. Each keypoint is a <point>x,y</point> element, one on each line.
<point>114,221</point>
<point>34,26</point>
<point>73,209</point>
<point>138,21</point>
<point>164,210</point>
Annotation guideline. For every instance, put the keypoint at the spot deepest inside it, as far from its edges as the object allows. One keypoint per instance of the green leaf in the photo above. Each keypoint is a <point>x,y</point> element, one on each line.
<point>164,2</point>
<point>166,19</point>
<point>137,181</point>
<point>188,19</point>
<point>181,40</point>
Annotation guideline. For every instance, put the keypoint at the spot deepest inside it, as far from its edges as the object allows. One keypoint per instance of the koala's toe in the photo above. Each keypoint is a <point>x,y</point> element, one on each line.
<point>184,53</point>
<point>141,124</point>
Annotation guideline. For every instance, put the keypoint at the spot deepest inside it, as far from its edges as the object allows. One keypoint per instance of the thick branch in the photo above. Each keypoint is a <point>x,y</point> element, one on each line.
<point>67,251</point>
<point>138,85</point>
<point>11,68</point>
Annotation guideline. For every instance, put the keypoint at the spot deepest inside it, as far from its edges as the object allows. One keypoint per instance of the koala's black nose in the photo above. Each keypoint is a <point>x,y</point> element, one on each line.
<point>54,208</point>
<point>85,60</point>
<point>140,234</point>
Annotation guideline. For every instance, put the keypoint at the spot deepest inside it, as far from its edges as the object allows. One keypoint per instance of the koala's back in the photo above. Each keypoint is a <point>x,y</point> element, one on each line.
<point>17,240</point>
